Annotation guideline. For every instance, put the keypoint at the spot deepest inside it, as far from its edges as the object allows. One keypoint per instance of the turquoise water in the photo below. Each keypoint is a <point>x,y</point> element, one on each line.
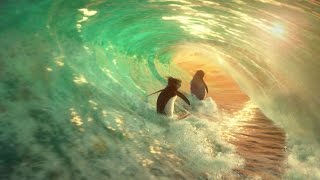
<point>75,78</point>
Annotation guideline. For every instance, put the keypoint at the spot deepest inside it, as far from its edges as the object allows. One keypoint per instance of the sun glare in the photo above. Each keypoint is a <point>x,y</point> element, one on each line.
<point>278,30</point>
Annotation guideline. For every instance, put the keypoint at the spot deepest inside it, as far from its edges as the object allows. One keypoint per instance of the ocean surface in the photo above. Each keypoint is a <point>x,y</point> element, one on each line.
<point>75,78</point>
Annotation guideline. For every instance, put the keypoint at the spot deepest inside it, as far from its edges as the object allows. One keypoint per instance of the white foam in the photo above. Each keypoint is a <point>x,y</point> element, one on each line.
<point>198,142</point>
<point>204,108</point>
<point>303,160</point>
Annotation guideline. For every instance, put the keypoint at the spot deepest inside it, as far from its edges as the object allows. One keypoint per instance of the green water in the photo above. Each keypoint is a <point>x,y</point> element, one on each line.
<point>74,78</point>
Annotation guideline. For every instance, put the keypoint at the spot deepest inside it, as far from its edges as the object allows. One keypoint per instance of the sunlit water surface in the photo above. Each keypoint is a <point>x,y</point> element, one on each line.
<point>74,80</point>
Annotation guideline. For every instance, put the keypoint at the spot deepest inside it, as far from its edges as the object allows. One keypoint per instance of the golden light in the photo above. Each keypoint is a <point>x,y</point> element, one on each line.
<point>75,118</point>
<point>59,61</point>
<point>80,79</point>
<point>86,14</point>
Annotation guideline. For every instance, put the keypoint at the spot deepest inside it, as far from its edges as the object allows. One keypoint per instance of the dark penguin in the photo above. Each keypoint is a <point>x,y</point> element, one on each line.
<point>168,95</point>
<point>198,86</point>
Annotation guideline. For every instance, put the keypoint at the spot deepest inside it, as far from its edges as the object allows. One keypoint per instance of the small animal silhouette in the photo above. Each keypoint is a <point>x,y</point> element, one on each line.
<point>198,86</point>
<point>168,95</point>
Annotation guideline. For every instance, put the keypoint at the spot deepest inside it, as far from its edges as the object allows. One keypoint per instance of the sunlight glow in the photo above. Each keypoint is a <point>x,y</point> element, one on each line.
<point>87,12</point>
<point>109,73</point>
<point>90,119</point>
<point>155,149</point>
<point>234,122</point>
<point>146,162</point>
<point>278,30</point>
<point>211,3</point>
<point>75,118</point>
<point>104,113</point>
<point>82,20</point>
<point>59,61</point>
<point>93,102</point>
<point>80,79</point>
<point>195,24</point>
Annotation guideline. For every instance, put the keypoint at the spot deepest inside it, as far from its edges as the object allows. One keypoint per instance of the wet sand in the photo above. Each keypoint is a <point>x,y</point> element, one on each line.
<point>256,138</point>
